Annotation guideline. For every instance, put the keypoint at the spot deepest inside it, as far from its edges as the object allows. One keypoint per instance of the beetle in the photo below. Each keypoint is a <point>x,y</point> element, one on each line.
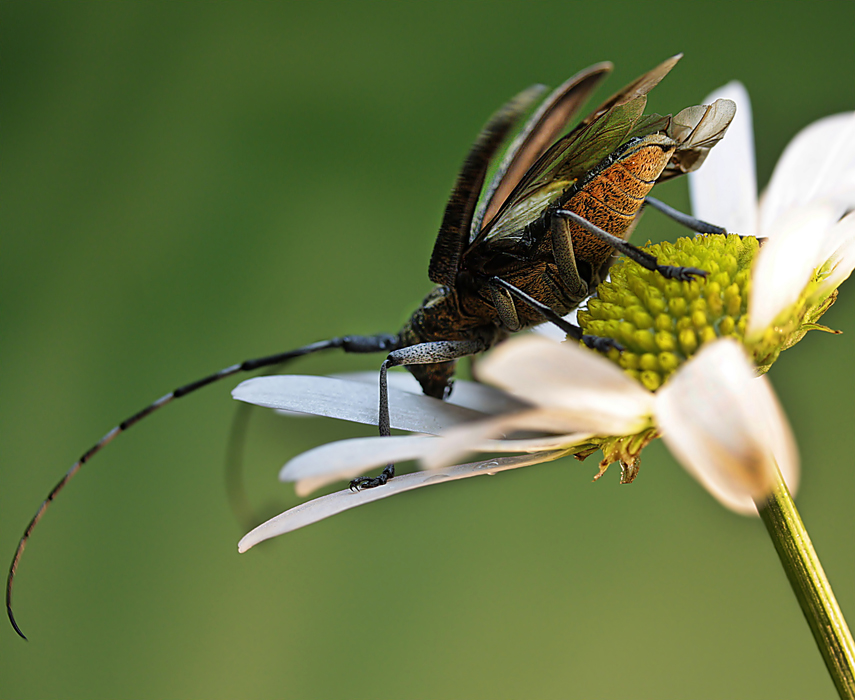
<point>527,248</point>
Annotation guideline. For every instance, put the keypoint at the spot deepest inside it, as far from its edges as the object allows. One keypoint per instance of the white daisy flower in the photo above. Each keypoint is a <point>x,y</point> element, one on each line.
<point>692,349</point>
<point>806,212</point>
<point>723,423</point>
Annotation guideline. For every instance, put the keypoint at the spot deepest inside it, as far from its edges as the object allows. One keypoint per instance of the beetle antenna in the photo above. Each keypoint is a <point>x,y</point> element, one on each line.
<point>350,344</point>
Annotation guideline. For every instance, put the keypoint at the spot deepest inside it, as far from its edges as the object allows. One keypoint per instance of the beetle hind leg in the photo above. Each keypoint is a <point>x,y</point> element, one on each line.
<point>420,354</point>
<point>505,307</point>
<point>361,483</point>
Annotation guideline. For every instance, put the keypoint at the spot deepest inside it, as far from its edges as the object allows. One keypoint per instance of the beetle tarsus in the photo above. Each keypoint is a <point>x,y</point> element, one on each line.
<point>361,483</point>
<point>601,344</point>
<point>679,273</point>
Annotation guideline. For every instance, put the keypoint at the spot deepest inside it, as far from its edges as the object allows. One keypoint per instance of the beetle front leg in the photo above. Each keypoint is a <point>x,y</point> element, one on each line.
<point>420,354</point>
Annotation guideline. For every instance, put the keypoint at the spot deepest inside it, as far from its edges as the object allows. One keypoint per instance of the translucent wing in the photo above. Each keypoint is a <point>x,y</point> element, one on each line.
<point>561,166</point>
<point>638,87</point>
<point>571,157</point>
<point>541,130</point>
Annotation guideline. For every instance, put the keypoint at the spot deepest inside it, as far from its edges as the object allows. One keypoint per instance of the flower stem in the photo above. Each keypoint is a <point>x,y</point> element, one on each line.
<point>811,587</point>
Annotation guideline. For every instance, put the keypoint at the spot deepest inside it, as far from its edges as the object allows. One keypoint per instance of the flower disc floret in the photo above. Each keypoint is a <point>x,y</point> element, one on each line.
<point>666,321</point>
<point>661,323</point>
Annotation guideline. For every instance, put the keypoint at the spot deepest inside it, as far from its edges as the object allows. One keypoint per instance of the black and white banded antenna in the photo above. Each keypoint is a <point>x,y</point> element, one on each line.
<point>350,344</point>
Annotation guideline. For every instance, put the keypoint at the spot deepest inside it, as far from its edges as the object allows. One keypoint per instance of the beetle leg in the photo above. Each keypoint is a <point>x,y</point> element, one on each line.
<point>565,258</point>
<point>505,307</point>
<point>419,354</point>
<point>690,222</point>
<point>594,342</point>
<point>645,259</point>
<point>235,445</point>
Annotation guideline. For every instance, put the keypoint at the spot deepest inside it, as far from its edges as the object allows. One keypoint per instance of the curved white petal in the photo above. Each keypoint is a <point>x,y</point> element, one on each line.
<point>326,506</point>
<point>595,395</point>
<point>398,380</point>
<point>353,401</point>
<point>345,459</point>
<point>476,437</point>
<point>306,487</point>
<point>726,427</point>
<point>724,189</point>
<point>786,263</point>
<point>818,165</point>
<point>841,243</point>
<point>479,397</point>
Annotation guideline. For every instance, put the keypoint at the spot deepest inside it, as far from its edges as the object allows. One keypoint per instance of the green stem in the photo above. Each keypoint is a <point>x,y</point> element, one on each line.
<point>811,587</point>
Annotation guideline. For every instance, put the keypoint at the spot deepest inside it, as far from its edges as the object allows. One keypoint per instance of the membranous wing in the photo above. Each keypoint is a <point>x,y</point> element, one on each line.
<point>614,122</point>
<point>539,133</point>
<point>696,129</point>
<point>617,122</point>
<point>460,220</point>
<point>534,174</point>
<point>563,166</point>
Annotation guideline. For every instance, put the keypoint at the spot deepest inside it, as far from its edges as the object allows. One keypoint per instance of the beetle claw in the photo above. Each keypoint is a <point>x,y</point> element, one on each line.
<point>680,273</point>
<point>361,483</point>
<point>601,344</point>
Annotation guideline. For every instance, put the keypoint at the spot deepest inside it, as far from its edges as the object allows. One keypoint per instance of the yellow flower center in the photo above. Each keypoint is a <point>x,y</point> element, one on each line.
<point>662,322</point>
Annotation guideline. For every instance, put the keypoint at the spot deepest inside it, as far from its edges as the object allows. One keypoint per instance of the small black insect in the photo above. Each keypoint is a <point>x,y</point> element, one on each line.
<point>527,248</point>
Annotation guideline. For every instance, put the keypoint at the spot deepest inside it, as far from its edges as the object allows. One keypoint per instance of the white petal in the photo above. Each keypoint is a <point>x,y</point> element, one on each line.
<point>399,380</point>
<point>841,239</point>
<point>596,395</point>
<point>724,189</point>
<point>306,487</point>
<point>324,507</point>
<point>786,263</point>
<point>344,459</point>
<point>818,165</point>
<point>475,437</point>
<point>474,395</point>
<point>353,401</point>
<point>725,426</point>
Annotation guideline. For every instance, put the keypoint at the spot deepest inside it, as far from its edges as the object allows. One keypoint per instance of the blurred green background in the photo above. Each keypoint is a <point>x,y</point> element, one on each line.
<point>188,184</point>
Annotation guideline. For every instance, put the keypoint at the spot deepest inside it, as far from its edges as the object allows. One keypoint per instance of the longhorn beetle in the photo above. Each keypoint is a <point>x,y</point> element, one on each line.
<point>528,248</point>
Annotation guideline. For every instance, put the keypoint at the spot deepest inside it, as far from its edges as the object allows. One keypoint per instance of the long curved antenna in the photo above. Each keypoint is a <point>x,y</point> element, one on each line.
<point>352,344</point>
